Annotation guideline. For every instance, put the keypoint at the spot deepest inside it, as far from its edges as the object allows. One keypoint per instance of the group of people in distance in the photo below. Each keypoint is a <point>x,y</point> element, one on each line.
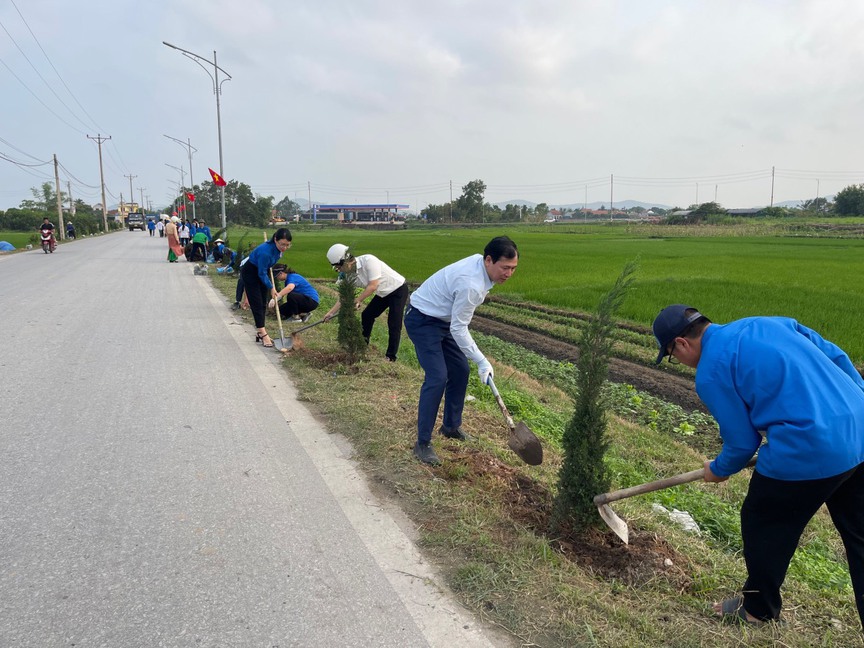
<point>190,240</point>
<point>773,385</point>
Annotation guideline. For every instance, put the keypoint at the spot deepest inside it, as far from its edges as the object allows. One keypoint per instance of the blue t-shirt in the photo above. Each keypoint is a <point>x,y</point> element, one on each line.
<point>772,377</point>
<point>264,257</point>
<point>302,286</point>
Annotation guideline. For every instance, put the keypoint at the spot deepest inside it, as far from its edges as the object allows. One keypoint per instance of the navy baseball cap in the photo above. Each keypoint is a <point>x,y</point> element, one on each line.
<point>669,324</point>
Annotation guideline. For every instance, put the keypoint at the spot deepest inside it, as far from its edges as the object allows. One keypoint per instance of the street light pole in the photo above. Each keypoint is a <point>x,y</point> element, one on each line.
<point>217,91</point>
<point>188,145</point>
<point>182,182</point>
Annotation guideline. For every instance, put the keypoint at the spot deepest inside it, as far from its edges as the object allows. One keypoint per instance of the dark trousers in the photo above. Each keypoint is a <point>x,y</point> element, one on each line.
<point>256,292</point>
<point>295,303</point>
<point>152,232</point>
<point>446,370</point>
<point>395,301</point>
<point>241,286</point>
<point>773,518</point>
<point>199,252</point>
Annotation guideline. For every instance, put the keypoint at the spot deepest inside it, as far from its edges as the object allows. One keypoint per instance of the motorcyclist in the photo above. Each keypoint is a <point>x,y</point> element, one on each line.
<point>48,226</point>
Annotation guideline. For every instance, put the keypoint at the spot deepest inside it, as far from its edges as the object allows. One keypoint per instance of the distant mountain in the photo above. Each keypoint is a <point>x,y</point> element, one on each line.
<point>623,204</point>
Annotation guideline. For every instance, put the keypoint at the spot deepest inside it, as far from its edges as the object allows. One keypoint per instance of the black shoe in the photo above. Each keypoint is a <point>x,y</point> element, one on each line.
<point>235,306</point>
<point>426,454</point>
<point>456,433</point>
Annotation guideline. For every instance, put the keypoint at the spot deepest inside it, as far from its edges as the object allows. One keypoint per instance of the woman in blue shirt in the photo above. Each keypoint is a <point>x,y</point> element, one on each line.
<point>779,387</point>
<point>300,297</point>
<point>255,272</point>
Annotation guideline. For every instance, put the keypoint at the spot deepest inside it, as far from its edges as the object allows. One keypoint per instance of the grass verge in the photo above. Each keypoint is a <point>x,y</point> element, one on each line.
<point>481,515</point>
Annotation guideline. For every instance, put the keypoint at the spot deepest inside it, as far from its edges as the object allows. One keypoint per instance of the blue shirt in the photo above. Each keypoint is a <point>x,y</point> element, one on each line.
<point>206,231</point>
<point>301,286</point>
<point>193,230</point>
<point>452,294</point>
<point>264,257</point>
<point>772,377</point>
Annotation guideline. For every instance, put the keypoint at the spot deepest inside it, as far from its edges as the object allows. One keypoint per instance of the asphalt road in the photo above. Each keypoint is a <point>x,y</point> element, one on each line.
<point>160,484</point>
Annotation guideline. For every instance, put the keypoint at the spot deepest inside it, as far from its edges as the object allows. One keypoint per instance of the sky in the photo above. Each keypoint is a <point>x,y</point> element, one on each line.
<point>374,101</point>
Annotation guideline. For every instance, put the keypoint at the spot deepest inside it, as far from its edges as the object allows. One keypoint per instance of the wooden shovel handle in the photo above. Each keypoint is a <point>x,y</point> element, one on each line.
<point>660,484</point>
<point>501,404</point>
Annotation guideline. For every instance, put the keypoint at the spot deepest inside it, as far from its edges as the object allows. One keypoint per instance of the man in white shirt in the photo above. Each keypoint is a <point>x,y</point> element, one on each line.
<point>375,278</point>
<point>437,321</point>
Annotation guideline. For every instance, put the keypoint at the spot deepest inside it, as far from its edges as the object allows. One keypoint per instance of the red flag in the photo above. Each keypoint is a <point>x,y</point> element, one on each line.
<point>174,213</point>
<point>182,207</point>
<point>218,180</point>
<point>190,196</point>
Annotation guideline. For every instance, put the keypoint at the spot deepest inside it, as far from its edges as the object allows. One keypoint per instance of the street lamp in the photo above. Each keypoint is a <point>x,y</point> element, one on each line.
<point>217,90</point>
<point>182,182</point>
<point>188,145</point>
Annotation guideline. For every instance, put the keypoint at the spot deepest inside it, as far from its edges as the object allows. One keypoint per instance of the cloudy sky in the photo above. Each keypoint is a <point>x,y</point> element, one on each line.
<point>377,100</point>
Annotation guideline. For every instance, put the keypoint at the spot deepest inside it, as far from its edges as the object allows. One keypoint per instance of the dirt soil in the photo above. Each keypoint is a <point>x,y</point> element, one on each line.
<point>645,559</point>
<point>659,383</point>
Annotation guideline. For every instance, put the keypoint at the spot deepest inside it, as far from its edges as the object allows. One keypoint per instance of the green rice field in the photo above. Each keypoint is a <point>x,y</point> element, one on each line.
<point>815,280</point>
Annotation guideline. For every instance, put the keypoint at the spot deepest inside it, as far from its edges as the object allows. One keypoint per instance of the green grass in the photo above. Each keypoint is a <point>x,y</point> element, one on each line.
<point>727,273</point>
<point>20,239</point>
<point>519,579</point>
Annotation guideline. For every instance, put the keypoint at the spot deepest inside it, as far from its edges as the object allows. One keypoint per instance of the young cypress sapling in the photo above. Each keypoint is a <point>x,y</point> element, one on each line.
<point>583,472</point>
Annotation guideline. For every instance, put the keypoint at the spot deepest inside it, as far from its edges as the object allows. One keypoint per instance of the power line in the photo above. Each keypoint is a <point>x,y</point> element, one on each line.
<point>71,94</point>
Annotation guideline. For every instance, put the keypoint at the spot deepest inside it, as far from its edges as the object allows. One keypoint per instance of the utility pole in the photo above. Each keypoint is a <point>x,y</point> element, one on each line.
<point>611,194</point>
<point>772,186</point>
<point>59,202</point>
<point>141,193</point>
<point>131,193</point>
<point>99,139</point>
<point>71,202</point>
<point>451,202</point>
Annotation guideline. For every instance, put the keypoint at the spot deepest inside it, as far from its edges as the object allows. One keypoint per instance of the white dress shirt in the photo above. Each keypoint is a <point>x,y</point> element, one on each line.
<point>452,294</point>
<point>369,268</point>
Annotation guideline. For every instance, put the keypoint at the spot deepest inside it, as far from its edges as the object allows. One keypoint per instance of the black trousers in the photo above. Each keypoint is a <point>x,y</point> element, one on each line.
<point>256,292</point>
<point>295,303</point>
<point>395,301</point>
<point>773,518</point>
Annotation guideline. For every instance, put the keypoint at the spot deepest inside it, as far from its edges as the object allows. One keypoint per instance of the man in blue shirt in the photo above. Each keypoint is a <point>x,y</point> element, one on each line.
<point>436,320</point>
<point>777,386</point>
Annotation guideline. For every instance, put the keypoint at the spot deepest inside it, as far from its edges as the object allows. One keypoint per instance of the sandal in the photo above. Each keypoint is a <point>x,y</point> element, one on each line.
<point>732,609</point>
<point>259,337</point>
<point>264,343</point>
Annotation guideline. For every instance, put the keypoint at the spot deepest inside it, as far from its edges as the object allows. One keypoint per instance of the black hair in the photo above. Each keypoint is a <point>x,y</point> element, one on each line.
<point>281,233</point>
<point>500,246</point>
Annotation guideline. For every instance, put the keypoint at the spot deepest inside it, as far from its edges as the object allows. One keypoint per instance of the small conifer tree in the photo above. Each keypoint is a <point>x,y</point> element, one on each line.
<point>583,472</point>
<point>350,335</point>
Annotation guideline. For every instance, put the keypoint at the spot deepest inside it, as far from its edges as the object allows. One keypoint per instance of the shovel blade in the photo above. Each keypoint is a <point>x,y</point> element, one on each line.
<point>526,444</point>
<point>618,526</point>
<point>283,344</point>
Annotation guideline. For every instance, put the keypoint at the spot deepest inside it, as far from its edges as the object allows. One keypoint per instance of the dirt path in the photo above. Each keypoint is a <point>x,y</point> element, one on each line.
<point>659,383</point>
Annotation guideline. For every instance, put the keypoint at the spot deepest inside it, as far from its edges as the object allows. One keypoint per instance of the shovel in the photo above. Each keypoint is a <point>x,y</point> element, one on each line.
<point>522,440</point>
<point>281,343</point>
<point>618,525</point>
<point>290,343</point>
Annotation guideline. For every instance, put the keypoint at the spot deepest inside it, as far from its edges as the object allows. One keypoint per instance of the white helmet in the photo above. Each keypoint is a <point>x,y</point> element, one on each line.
<point>337,253</point>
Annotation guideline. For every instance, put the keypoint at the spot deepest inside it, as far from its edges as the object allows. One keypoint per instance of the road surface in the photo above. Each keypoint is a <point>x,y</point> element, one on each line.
<point>160,485</point>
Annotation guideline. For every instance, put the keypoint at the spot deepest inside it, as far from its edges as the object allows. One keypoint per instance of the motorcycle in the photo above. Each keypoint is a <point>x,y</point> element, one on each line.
<point>48,242</point>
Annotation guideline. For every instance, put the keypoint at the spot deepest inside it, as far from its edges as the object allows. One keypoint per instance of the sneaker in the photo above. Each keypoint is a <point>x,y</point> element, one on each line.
<point>305,317</point>
<point>235,306</point>
<point>456,433</point>
<point>425,453</point>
